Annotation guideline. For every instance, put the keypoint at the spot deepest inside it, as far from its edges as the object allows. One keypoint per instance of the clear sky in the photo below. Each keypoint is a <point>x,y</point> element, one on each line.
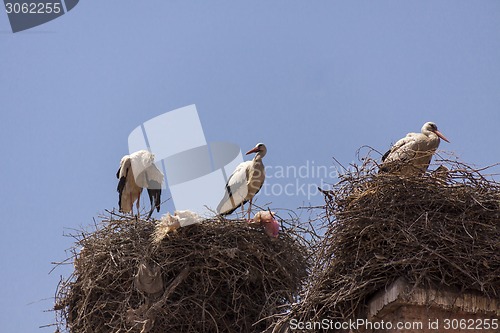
<point>311,79</point>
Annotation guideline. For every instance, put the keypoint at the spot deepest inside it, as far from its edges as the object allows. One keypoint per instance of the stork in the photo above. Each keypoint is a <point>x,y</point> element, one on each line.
<point>138,171</point>
<point>412,154</point>
<point>244,183</point>
<point>265,219</point>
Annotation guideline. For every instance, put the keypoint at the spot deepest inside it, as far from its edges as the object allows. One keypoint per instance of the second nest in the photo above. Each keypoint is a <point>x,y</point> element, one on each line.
<point>439,229</point>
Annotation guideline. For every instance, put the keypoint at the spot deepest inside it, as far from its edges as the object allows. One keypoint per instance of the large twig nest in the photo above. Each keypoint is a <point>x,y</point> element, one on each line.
<point>217,276</point>
<point>440,229</point>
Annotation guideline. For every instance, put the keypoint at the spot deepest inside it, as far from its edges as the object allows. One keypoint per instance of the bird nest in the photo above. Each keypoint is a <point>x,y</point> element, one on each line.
<point>217,276</point>
<point>439,229</point>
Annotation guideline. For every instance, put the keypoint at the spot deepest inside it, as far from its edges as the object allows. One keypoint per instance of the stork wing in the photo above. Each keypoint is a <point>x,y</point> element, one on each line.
<point>146,174</point>
<point>236,190</point>
<point>122,174</point>
<point>385,155</point>
<point>154,180</point>
<point>124,166</point>
<point>153,177</point>
<point>403,150</point>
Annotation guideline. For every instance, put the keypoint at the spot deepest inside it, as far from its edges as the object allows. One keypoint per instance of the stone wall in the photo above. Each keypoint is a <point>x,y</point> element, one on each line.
<point>402,308</point>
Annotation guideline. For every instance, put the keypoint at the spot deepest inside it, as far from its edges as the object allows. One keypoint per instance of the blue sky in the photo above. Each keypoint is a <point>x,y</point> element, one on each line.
<point>313,80</point>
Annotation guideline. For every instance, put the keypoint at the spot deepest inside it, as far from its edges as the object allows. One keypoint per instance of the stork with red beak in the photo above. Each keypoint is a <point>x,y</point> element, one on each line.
<point>244,183</point>
<point>412,154</point>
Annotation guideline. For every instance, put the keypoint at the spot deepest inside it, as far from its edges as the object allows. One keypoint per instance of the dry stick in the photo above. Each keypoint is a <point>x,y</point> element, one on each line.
<point>171,288</point>
<point>447,260</point>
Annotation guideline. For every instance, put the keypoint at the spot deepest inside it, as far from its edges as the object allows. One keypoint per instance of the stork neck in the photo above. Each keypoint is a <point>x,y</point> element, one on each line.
<point>433,140</point>
<point>258,157</point>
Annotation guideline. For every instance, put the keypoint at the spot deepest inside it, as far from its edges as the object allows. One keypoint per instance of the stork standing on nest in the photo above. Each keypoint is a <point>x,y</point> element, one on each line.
<point>412,154</point>
<point>244,183</point>
<point>138,171</point>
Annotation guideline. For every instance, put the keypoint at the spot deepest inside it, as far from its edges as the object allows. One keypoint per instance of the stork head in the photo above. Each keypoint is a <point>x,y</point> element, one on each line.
<point>260,149</point>
<point>432,127</point>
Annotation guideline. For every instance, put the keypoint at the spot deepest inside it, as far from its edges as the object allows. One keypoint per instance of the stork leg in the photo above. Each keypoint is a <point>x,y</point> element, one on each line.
<point>131,205</point>
<point>138,203</point>
<point>150,212</point>
<point>249,209</point>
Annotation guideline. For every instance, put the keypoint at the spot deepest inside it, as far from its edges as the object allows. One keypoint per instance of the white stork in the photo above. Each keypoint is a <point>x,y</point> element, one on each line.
<point>244,183</point>
<point>138,171</point>
<point>412,154</point>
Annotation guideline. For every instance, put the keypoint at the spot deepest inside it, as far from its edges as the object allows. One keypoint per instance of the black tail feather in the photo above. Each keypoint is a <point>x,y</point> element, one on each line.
<point>155,200</point>
<point>121,186</point>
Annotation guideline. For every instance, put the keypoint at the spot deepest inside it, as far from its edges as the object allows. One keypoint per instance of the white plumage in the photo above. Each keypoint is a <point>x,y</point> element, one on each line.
<point>236,189</point>
<point>138,171</point>
<point>244,183</point>
<point>169,223</point>
<point>187,217</point>
<point>413,153</point>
